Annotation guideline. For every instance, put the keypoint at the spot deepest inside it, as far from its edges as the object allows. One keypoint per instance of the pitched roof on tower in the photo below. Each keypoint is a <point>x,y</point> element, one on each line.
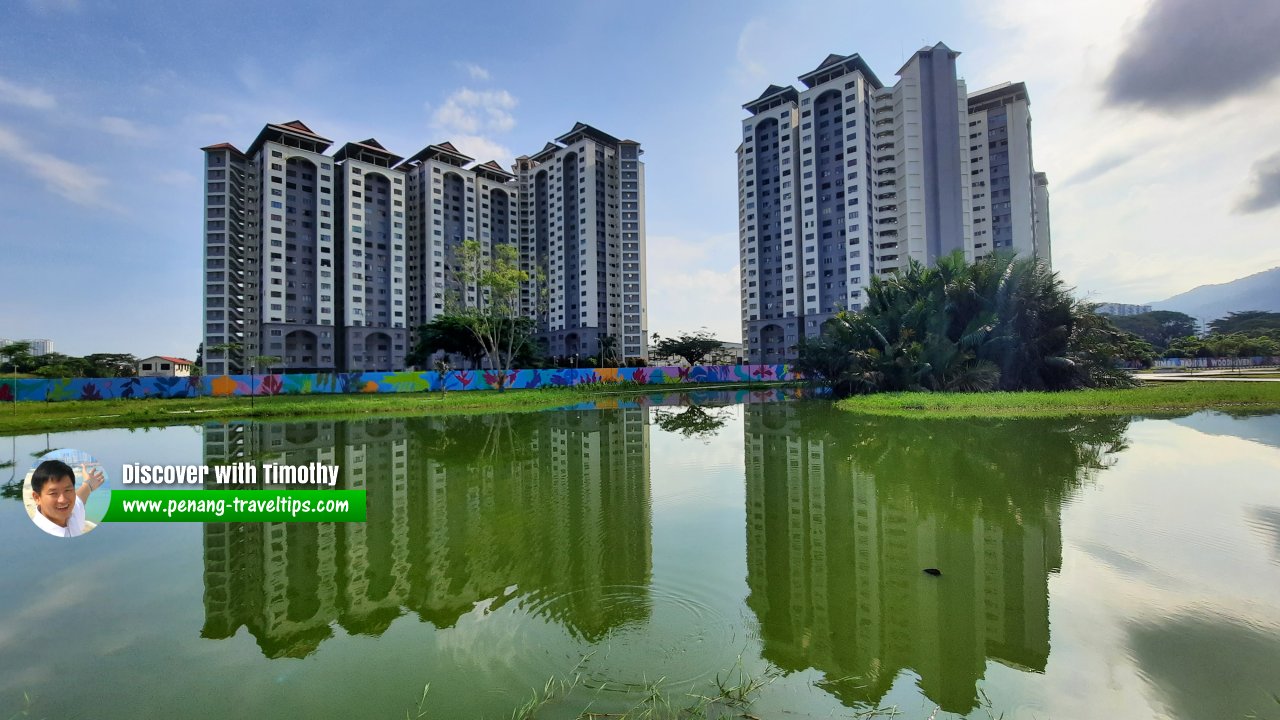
<point>836,65</point>
<point>493,171</point>
<point>581,129</point>
<point>444,151</point>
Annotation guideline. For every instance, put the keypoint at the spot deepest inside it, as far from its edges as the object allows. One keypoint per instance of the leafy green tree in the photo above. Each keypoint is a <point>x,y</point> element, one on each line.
<point>692,347</point>
<point>449,333</point>
<point>695,421</point>
<point>1159,327</point>
<point>1224,345</point>
<point>17,357</point>
<point>1249,321</point>
<point>58,365</point>
<point>495,318</point>
<point>106,365</point>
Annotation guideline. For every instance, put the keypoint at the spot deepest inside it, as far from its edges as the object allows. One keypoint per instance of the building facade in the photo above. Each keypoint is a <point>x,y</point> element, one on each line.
<point>330,263</point>
<point>849,178</point>
<point>163,366</point>
<point>1122,309</point>
<point>583,239</point>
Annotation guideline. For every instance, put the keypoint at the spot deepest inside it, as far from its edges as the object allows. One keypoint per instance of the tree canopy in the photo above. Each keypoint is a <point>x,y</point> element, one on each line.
<point>693,347</point>
<point>1250,322</point>
<point>494,317</point>
<point>1224,345</point>
<point>451,334</point>
<point>17,356</point>
<point>1159,327</point>
<point>998,324</point>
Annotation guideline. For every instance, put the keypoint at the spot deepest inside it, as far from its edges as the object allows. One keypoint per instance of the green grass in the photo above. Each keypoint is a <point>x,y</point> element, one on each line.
<point>1154,398</point>
<point>32,417</point>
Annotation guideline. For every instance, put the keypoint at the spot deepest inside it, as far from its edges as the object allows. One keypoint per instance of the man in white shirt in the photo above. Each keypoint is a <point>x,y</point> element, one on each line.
<point>59,504</point>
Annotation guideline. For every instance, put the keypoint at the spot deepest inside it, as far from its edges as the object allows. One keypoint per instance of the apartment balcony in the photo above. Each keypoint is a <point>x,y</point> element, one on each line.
<point>888,234</point>
<point>882,109</point>
<point>883,146</point>
<point>887,208</point>
<point>884,158</point>
<point>886,183</point>
<point>887,196</point>
<point>882,134</point>
<point>889,221</point>
<point>884,121</point>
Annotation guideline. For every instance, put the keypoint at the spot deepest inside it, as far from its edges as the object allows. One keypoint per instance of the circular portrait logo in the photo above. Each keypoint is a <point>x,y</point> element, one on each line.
<point>64,492</point>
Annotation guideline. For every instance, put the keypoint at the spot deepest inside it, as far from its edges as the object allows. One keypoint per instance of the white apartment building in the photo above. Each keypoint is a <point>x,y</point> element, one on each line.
<point>582,235</point>
<point>331,263</point>
<point>848,178</point>
<point>270,271</point>
<point>448,205</point>
<point>1010,199</point>
<point>921,188</point>
<point>372,309</point>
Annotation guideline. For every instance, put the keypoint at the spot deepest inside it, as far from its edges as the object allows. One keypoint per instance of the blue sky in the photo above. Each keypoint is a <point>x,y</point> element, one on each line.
<point>104,106</point>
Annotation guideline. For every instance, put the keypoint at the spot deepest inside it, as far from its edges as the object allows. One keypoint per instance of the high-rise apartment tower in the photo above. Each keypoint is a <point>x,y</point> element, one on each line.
<point>848,178</point>
<point>328,263</point>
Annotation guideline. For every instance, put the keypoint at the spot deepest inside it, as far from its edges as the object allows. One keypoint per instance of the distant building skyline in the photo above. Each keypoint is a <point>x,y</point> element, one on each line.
<point>38,347</point>
<point>1123,309</point>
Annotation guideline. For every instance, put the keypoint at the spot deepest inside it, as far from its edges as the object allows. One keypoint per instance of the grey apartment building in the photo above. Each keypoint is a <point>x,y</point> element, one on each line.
<point>330,263</point>
<point>848,178</point>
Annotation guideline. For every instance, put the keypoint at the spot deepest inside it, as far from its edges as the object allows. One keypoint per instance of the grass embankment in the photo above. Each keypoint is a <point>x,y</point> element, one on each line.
<point>34,417</point>
<point>1160,397</point>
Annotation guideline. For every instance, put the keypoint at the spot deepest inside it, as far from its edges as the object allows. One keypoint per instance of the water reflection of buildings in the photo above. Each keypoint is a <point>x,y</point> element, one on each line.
<point>843,515</point>
<point>460,510</point>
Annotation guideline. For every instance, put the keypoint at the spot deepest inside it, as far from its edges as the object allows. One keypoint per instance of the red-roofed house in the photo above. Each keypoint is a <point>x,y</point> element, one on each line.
<point>164,366</point>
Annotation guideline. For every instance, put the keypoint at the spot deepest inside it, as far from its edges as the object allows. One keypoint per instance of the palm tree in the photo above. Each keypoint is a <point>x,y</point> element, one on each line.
<point>227,349</point>
<point>260,361</point>
<point>1002,322</point>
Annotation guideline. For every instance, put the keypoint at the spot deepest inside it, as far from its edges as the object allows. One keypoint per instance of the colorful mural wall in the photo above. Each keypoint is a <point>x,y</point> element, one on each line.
<point>42,390</point>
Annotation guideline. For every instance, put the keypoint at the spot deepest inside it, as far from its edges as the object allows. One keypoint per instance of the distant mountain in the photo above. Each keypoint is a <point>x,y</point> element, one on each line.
<point>1210,302</point>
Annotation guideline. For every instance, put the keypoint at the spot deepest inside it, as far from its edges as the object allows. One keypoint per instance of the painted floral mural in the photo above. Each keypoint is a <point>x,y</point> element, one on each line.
<point>44,390</point>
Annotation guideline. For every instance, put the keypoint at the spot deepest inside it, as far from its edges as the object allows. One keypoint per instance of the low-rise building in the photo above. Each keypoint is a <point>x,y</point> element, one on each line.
<point>164,366</point>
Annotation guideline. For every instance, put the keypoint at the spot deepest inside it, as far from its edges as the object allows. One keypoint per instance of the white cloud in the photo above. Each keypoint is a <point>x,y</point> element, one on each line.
<point>74,182</point>
<point>483,149</point>
<point>472,111</point>
<point>471,119</point>
<point>753,38</point>
<point>687,279</point>
<point>120,127</point>
<point>474,71</point>
<point>15,94</point>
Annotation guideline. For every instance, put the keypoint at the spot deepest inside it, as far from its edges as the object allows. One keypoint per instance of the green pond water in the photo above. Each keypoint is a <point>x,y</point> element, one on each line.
<point>633,556</point>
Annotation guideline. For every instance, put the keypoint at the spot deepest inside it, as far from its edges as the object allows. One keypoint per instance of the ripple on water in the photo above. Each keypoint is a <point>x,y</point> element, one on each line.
<point>636,635</point>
